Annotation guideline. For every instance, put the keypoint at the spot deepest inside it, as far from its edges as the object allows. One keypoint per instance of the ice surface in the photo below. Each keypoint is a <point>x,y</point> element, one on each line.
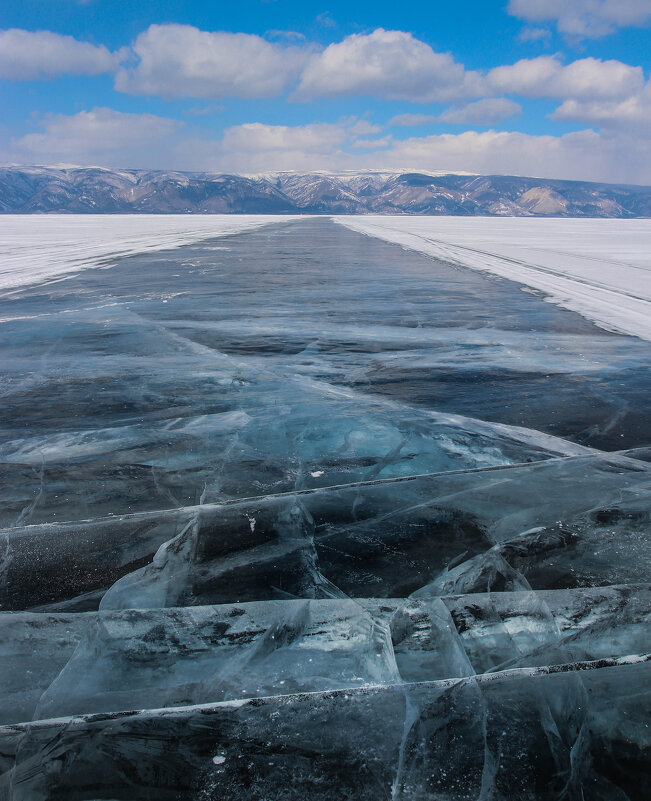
<point>301,514</point>
<point>453,739</point>
<point>37,248</point>
<point>600,269</point>
<point>115,660</point>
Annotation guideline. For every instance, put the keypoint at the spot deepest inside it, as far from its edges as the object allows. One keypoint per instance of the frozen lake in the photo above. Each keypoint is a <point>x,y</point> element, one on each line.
<point>334,512</point>
<point>598,268</point>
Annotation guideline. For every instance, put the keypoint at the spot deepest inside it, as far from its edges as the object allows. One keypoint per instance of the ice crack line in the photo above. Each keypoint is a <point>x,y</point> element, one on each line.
<point>441,684</point>
<point>611,458</point>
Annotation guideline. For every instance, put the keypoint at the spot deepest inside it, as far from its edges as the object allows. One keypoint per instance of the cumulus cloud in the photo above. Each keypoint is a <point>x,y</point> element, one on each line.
<point>547,76</point>
<point>584,18</point>
<point>482,112</point>
<point>389,64</point>
<point>182,61</point>
<point>396,66</point>
<point>631,113</point>
<point>101,136</point>
<point>29,55</point>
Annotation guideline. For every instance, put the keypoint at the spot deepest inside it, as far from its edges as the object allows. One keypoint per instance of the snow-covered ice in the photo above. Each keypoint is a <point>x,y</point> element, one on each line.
<point>598,268</point>
<point>35,248</point>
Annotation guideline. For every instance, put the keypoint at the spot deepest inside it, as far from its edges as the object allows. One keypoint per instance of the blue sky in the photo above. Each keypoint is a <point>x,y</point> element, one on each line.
<point>554,88</point>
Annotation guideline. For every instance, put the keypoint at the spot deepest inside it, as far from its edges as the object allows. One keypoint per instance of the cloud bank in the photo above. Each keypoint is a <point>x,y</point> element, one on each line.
<point>114,139</point>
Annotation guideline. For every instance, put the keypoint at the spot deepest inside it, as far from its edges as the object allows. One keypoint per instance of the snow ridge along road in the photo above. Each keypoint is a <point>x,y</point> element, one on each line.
<point>598,268</point>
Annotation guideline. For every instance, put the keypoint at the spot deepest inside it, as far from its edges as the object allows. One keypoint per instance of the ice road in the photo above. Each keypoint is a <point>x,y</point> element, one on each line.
<point>293,512</point>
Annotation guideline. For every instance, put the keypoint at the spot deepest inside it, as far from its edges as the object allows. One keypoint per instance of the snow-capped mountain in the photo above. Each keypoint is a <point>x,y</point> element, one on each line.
<point>93,190</point>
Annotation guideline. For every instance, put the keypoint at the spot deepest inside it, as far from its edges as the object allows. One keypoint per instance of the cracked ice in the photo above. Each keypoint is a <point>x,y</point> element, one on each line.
<point>311,516</point>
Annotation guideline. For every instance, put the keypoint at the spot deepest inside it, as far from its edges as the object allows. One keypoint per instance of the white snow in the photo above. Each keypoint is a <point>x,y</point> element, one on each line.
<point>35,248</point>
<point>596,267</point>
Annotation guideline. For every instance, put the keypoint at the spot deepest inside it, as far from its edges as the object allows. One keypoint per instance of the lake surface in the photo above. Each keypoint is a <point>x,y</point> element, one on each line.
<point>303,460</point>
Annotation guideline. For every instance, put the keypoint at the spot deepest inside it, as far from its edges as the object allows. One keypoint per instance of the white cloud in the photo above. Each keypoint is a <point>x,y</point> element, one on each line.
<point>409,120</point>
<point>630,114</point>
<point>583,155</point>
<point>389,64</point>
<point>29,55</point>
<point>586,78</point>
<point>584,18</point>
<point>534,34</point>
<point>101,136</point>
<point>256,137</point>
<point>373,144</point>
<point>204,111</point>
<point>326,19</point>
<point>256,147</point>
<point>364,127</point>
<point>482,112</point>
<point>487,111</point>
<point>182,61</point>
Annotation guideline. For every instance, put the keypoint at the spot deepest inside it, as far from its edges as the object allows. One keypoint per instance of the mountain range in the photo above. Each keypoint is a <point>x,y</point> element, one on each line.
<point>97,190</point>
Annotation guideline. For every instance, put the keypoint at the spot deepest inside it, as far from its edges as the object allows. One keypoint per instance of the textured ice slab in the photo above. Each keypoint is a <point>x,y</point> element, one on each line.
<point>136,659</point>
<point>599,268</point>
<point>121,660</point>
<point>37,248</point>
<point>568,522</point>
<point>540,733</point>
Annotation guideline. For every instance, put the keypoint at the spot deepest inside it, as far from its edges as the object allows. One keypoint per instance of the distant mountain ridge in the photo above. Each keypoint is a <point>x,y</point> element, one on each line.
<point>96,190</point>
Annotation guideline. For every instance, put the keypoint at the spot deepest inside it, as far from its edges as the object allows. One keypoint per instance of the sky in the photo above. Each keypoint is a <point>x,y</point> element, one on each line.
<point>548,88</point>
